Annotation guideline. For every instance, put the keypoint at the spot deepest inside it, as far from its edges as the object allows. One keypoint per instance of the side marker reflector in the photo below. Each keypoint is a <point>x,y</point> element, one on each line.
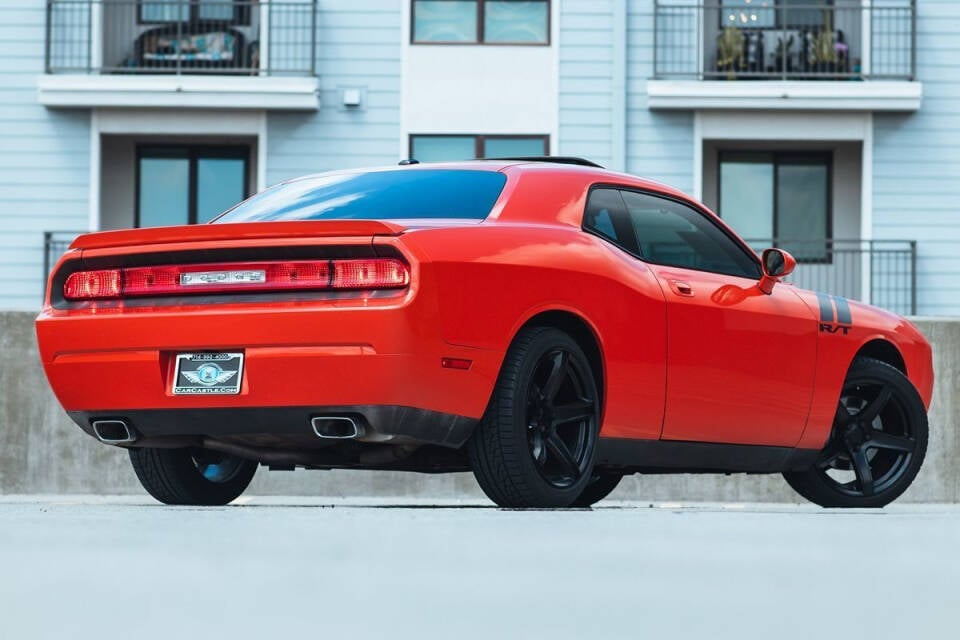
<point>455,363</point>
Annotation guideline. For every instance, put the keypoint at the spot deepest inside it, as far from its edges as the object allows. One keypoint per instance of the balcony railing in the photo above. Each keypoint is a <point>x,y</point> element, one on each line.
<point>882,272</point>
<point>223,37</point>
<point>768,40</point>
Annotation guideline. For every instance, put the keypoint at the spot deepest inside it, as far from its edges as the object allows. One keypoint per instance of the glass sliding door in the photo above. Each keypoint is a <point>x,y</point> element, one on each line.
<point>189,184</point>
<point>779,197</point>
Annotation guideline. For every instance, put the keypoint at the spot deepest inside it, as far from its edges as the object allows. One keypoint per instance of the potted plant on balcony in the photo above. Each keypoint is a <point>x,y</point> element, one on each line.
<point>824,53</point>
<point>782,55</point>
<point>730,52</point>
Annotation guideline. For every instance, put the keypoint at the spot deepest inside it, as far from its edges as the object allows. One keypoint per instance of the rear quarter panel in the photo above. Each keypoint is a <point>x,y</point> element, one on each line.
<point>493,278</point>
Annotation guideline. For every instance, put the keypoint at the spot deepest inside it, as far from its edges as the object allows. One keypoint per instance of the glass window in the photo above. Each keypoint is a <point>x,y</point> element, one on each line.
<point>759,14</point>
<point>445,21</point>
<point>522,22</point>
<point>780,199</point>
<point>188,185</point>
<point>377,195</point>
<point>221,183</point>
<point>514,147</point>
<point>606,215</point>
<point>673,234</point>
<point>746,185</point>
<point>217,10</point>
<point>164,191</point>
<point>164,11</point>
<point>443,148</point>
<point>195,11</point>
<point>481,21</point>
<point>803,191</point>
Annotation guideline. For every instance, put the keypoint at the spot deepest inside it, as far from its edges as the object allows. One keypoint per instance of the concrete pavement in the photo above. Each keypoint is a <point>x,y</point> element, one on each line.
<point>79,567</point>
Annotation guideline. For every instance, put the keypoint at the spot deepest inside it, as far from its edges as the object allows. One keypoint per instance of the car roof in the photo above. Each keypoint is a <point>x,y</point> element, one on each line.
<point>594,173</point>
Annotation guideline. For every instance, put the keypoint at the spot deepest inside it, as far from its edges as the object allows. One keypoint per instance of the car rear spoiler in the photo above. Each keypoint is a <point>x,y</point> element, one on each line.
<point>237,231</point>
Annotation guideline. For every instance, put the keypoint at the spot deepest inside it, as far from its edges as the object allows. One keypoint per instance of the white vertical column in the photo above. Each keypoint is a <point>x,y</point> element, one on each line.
<point>866,206</point>
<point>618,110</point>
<point>96,36</point>
<point>93,214</point>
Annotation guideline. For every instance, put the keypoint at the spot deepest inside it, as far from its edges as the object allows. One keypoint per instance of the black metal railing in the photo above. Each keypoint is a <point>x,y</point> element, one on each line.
<point>768,40</point>
<point>240,37</point>
<point>55,244</point>
<point>882,272</point>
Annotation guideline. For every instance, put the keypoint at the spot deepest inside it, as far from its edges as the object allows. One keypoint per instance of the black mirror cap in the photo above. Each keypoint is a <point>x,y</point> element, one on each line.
<point>777,263</point>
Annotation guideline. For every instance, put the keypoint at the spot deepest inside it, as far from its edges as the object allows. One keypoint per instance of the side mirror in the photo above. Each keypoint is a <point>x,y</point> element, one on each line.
<point>777,264</point>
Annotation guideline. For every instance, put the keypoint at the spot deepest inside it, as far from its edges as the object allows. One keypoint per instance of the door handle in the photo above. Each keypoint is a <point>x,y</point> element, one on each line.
<point>681,288</point>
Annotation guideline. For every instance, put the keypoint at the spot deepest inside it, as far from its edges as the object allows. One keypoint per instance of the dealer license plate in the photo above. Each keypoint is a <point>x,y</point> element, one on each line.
<point>208,373</point>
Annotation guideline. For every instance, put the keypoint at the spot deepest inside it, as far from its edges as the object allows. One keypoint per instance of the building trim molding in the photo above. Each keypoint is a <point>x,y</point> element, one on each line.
<point>181,92</point>
<point>830,95</point>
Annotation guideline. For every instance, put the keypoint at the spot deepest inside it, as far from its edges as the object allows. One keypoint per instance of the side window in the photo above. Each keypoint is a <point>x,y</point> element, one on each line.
<point>606,216</point>
<point>673,234</point>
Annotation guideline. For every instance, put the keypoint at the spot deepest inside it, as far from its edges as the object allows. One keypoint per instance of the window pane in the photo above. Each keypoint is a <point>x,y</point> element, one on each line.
<point>603,214</point>
<point>804,13</point>
<point>515,21</point>
<point>377,195</point>
<point>673,234</point>
<point>445,21</point>
<point>164,11</point>
<point>802,205</point>
<point>444,148</point>
<point>513,147</point>
<point>216,10</point>
<point>164,191</point>
<point>746,196</point>
<point>747,14</point>
<point>220,185</point>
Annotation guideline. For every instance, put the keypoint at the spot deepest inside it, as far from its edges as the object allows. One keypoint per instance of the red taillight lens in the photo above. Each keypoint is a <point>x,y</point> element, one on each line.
<point>92,285</point>
<point>369,274</point>
<point>365,274</point>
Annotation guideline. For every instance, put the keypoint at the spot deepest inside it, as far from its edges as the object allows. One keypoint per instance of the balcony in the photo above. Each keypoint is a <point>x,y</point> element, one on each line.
<point>241,54</point>
<point>797,54</point>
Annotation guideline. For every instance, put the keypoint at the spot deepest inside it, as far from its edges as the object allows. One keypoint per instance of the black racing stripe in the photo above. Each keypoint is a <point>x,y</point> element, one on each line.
<point>843,311</point>
<point>826,307</point>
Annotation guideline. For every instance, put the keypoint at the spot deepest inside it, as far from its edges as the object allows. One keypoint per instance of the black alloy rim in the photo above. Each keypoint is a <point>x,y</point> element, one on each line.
<point>561,418</point>
<point>214,466</point>
<point>872,442</point>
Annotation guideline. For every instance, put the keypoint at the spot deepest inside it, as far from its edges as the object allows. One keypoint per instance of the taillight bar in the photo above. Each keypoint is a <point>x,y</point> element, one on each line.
<point>299,275</point>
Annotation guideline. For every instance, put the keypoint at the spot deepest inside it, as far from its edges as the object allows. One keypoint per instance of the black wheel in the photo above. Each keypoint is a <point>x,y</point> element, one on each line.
<point>877,445</point>
<point>536,444</point>
<point>601,485</point>
<point>191,476</point>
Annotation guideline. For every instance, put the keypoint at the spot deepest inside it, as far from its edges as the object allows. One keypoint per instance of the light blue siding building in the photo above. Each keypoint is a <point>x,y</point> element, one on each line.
<point>829,127</point>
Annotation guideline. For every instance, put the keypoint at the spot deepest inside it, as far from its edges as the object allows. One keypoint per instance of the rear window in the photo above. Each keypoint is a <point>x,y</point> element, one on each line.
<point>377,195</point>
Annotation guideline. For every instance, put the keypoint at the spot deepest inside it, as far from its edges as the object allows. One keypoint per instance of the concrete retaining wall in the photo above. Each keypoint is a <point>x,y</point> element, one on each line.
<point>42,451</point>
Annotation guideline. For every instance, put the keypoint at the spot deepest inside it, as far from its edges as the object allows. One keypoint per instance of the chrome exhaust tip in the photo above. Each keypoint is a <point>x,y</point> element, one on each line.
<point>335,427</point>
<point>113,431</point>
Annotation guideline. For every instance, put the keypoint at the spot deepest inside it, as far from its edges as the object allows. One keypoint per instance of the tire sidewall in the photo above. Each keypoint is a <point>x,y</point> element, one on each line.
<point>515,421</point>
<point>812,485</point>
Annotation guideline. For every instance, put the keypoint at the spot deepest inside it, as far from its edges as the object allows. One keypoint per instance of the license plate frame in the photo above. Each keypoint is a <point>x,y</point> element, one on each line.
<point>208,373</point>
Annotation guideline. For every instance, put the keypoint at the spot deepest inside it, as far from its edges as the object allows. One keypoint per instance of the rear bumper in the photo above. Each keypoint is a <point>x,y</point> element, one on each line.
<point>286,425</point>
<point>380,359</point>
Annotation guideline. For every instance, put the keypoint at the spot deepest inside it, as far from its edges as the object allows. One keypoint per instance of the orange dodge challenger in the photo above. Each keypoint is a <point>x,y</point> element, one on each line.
<point>545,323</point>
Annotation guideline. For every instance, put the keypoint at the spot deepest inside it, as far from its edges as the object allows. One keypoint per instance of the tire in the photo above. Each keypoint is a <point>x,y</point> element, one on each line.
<point>191,476</point>
<point>877,445</point>
<point>536,444</point>
<point>601,485</point>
